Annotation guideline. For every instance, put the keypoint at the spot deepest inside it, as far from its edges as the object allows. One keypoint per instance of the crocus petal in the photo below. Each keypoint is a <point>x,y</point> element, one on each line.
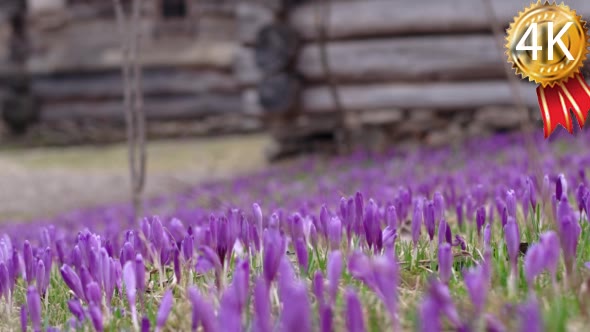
<point>164,310</point>
<point>355,321</point>
<point>34,308</point>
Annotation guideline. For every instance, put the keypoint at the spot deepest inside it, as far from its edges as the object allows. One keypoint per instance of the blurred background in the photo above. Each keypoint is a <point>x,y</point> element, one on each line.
<point>229,86</point>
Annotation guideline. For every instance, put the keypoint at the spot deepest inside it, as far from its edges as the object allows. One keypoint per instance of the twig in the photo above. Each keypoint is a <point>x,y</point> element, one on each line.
<point>322,15</point>
<point>130,34</point>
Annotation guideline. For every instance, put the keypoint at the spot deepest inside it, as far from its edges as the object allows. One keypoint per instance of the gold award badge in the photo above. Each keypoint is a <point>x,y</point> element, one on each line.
<point>548,43</point>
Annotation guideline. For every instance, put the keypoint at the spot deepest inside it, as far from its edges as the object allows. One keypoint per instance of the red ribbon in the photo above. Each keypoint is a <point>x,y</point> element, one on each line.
<point>557,101</point>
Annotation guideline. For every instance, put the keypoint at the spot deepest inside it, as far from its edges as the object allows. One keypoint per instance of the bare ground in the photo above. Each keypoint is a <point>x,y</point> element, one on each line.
<point>43,182</point>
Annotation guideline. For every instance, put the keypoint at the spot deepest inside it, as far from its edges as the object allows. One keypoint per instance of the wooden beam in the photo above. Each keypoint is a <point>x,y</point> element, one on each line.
<point>169,108</point>
<point>438,96</point>
<point>406,59</point>
<point>353,19</point>
<point>109,85</point>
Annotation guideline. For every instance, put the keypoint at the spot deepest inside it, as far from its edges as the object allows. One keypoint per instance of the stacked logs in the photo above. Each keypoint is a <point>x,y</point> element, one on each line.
<point>188,79</point>
<point>428,71</point>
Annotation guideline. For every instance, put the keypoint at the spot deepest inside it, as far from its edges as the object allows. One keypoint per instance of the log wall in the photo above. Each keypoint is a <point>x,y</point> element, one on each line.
<point>74,68</point>
<point>416,70</point>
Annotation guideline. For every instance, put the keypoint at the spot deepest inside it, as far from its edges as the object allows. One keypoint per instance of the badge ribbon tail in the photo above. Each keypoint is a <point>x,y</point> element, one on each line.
<point>557,101</point>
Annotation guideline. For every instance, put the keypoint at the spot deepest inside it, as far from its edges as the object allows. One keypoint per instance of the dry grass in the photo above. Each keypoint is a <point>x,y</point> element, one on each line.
<point>46,181</point>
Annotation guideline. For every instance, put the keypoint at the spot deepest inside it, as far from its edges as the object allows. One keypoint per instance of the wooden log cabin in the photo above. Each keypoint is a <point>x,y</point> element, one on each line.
<point>383,71</point>
<point>72,67</point>
<point>310,72</point>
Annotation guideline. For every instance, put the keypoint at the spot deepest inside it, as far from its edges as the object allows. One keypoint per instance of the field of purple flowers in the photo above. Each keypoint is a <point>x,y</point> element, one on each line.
<point>478,237</point>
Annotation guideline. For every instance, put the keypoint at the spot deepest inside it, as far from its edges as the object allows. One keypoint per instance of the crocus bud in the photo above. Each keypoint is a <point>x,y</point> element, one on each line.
<point>355,321</point>
<point>550,242</point>
<point>534,262</point>
<point>130,280</point>
<point>40,273</point>
<point>512,237</point>
<point>445,262</point>
<point>34,308</point>
<point>23,318</point>
<point>145,324</point>
<point>202,311</point>
<point>176,263</point>
<point>164,310</point>
<point>76,309</point>
<point>334,274</point>
<point>416,222</point>
<point>302,254</point>
<point>335,233</point>
<point>28,262</point>
<point>262,307</point>
<point>480,219</point>
<point>476,282</point>
<point>72,280</point>
<point>511,203</point>
<point>96,317</point>
<point>531,319</point>
<point>429,221</point>
<point>439,206</point>
<point>93,294</point>
<point>560,187</point>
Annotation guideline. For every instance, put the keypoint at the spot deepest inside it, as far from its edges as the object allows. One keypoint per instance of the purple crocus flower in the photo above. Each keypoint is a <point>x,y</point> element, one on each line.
<point>96,317</point>
<point>355,321</point>
<point>416,222</point>
<point>439,292</point>
<point>164,310</point>
<point>318,287</point>
<point>334,274</point>
<point>262,307</point>
<point>34,308</point>
<point>28,262</point>
<point>202,312</point>
<point>386,277</point>
<point>93,294</point>
<point>130,280</point>
<point>296,312</point>
<point>241,282</point>
<point>512,237</point>
<point>445,262</point>
<point>534,262</point>
<point>476,282</point>
<point>439,206</point>
<point>550,242</point>
<point>335,233</point>
<point>274,250</point>
<point>145,325</point>
<point>480,219</point>
<point>561,187</point>
<point>302,254</point>
<point>511,203</point>
<point>139,273</point>
<point>230,313</point>
<point>429,220</point>
<point>176,263</point>
<point>429,313</point>
<point>72,280</point>
<point>40,273</point>
<point>531,319</point>
<point>569,236</point>
<point>391,218</point>
<point>493,324</point>
<point>76,309</point>
<point>23,318</point>
<point>444,232</point>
